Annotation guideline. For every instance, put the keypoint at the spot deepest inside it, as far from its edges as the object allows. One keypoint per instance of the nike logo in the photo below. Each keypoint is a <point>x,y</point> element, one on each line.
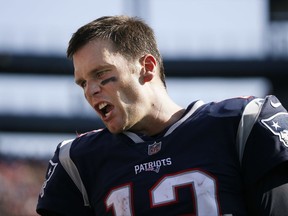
<point>275,105</point>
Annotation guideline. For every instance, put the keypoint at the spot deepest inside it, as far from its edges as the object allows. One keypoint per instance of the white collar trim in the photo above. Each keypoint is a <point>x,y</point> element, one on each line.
<point>138,139</point>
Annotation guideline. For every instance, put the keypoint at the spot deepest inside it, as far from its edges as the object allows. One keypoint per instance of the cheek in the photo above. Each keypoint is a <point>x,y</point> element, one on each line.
<point>129,94</point>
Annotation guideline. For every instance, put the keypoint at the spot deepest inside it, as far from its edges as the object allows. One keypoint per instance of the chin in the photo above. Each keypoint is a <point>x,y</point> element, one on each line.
<point>117,127</point>
<point>115,130</point>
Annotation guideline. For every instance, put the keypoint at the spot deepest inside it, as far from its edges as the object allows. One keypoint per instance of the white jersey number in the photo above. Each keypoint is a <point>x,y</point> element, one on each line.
<point>165,192</point>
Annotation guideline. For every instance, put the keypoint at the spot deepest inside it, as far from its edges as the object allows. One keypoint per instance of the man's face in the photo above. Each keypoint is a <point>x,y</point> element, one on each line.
<point>111,85</point>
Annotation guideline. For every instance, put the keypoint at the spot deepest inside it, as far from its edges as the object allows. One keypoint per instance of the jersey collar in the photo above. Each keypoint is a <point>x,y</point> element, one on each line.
<point>137,139</point>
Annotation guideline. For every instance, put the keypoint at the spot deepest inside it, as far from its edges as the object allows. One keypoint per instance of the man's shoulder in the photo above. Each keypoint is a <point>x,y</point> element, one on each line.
<point>87,141</point>
<point>91,134</point>
<point>228,107</point>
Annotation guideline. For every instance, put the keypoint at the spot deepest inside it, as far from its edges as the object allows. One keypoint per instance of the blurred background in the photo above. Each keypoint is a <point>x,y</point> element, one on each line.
<point>212,49</point>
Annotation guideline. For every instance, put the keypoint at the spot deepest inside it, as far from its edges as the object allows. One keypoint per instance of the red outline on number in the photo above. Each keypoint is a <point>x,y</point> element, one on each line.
<point>130,186</point>
<point>185,185</point>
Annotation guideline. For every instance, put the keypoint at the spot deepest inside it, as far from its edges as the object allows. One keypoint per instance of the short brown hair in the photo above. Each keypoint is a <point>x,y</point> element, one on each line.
<point>130,36</point>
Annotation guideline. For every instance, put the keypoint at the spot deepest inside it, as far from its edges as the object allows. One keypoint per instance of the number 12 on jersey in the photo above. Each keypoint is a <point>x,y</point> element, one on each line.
<point>164,192</point>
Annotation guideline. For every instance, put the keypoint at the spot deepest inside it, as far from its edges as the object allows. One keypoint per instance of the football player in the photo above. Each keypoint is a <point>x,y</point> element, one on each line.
<point>155,157</point>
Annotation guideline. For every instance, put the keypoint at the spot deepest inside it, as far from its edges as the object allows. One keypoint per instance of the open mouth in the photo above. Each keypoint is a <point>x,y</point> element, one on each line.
<point>105,108</point>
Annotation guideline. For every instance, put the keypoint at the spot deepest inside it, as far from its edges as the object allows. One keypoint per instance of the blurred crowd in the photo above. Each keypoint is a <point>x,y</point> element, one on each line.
<point>20,184</point>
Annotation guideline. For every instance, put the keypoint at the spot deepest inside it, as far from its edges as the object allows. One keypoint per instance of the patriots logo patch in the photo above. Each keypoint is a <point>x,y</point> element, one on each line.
<point>278,125</point>
<point>51,169</point>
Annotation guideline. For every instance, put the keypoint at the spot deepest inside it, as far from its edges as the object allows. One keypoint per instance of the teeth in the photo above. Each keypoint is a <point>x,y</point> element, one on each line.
<point>102,105</point>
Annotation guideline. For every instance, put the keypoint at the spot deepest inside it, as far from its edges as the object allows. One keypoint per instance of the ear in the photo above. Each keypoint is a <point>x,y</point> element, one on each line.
<point>149,64</point>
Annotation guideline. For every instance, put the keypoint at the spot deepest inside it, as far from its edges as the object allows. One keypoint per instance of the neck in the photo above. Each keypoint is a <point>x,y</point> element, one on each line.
<point>165,116</point>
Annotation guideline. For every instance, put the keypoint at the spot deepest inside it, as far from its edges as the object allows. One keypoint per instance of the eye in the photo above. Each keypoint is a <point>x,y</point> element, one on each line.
<point>82,84</point>
<point>100,74</point>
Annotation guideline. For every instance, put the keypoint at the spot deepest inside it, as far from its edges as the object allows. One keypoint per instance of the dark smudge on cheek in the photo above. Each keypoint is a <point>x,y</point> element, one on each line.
<point>111,79</point>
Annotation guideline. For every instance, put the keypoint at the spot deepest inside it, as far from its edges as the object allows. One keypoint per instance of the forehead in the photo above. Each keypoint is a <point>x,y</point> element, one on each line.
<point>95,49</point>
<point>94,54</point>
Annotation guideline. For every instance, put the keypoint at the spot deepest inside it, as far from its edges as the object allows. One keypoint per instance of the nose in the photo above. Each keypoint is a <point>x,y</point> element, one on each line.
<point>92,88</point>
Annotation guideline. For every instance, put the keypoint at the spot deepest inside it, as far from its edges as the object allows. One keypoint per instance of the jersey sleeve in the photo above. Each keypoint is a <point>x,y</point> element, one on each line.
<point>267,143</point>
<point>59,194</point>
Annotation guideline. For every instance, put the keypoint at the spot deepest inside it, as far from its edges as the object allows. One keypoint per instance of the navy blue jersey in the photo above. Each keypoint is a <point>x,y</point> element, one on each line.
<point>200,165</point>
